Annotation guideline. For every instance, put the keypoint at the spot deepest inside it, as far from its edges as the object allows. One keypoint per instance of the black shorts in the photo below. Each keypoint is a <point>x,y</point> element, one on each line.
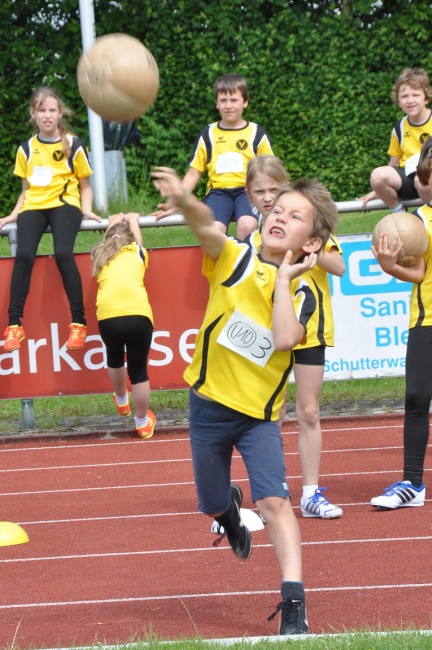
<point>310,356</point>
<point>134,332</point>
<point>407,191</point>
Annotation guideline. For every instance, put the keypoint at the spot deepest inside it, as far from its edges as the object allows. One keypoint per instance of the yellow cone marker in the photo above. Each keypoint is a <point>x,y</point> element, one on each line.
<point>11,534</point>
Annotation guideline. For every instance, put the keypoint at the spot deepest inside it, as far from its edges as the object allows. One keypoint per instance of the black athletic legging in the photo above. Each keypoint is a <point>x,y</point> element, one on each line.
<point>134,332</point>
<point>65,222</point>
<point>417,402</point>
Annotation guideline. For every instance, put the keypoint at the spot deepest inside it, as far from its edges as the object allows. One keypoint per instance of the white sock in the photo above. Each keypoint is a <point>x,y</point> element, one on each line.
<point>121,401</point>
<point>141,422</point>
<point>398,208</point>
<point>309,491</point>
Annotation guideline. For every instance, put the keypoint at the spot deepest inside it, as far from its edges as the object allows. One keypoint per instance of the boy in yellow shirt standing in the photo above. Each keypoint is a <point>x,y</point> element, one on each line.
<point>224,149</point>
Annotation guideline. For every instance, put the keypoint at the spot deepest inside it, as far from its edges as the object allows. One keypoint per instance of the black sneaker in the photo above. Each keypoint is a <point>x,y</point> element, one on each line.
<point>293,617</point>
<point>238,535</point>
<point>236,494</point>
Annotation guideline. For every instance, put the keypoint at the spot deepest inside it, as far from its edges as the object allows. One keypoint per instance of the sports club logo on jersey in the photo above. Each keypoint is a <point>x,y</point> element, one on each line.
<point>58,155</point>
<point>241,144</point>
<point>424,137</point>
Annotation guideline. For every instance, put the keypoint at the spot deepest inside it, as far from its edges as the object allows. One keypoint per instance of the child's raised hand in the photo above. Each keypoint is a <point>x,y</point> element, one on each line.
<point>168,183</point>
<point>386,255</point>
<point>289,271</point>
<point>131,217</point>
<point>113,219</point>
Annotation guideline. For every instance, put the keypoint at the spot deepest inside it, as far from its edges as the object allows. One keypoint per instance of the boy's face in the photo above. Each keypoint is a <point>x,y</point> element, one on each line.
<point>287,227</point>
<point>230,107</point>
<point>261,193</point>
<point>412,101</point>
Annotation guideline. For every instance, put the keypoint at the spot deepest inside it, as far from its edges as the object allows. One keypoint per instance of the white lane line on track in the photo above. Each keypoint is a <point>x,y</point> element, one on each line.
<point>156,515</point>
<point>213,595</point>
<point>178,460</point>
<point>86,556</point>
<point>181,439</point>
<point>176,484</point>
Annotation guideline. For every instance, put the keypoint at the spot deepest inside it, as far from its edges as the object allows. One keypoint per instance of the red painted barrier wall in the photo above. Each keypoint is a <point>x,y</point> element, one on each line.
<point>43,367</point>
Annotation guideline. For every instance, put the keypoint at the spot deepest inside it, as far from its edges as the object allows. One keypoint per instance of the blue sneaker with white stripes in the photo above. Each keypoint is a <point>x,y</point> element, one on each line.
<point>318,506</point>
<point>402,494</point>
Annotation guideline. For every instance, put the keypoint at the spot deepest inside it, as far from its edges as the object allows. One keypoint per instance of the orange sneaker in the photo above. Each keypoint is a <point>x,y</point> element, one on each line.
<point>77,336</point>
<point>13,334</point>
<point>147,432</point>
<point>125,409</point>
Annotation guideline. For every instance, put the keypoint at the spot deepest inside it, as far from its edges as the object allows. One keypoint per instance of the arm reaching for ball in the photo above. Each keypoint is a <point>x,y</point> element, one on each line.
<point>198,216</point>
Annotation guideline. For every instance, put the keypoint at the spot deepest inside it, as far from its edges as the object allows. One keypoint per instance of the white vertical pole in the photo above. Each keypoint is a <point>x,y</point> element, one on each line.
<point>88,36</point>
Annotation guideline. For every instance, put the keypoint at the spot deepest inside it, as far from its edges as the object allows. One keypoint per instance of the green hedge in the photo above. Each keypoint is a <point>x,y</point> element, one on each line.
<point>319,78</point>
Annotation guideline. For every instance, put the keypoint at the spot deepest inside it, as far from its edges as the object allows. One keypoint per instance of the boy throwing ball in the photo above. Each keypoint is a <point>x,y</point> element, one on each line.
<point>257,312</point>
<point>224,149</point>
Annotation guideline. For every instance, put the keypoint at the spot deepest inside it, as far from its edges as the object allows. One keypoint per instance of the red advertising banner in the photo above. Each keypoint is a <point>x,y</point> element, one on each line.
<point>43,367</point>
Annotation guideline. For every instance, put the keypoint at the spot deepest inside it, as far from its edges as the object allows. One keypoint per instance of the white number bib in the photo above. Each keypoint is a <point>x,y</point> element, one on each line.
<point>247,338</point>
<point>229,163</point>
<point>42,176</point>
<point>412,164</point>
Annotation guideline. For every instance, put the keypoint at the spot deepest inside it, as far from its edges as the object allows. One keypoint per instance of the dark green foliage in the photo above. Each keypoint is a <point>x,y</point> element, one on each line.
<point>320,76</point>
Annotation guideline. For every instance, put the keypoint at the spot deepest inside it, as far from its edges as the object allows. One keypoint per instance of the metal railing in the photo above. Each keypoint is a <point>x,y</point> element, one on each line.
<point>10,231</point>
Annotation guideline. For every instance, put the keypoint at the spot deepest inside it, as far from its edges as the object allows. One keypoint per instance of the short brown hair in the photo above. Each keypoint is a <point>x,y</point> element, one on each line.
<point>424,167</point>
<point>417,79</point>
<point>324,208</point>
<point>229,83</point>
<point>270,166</point>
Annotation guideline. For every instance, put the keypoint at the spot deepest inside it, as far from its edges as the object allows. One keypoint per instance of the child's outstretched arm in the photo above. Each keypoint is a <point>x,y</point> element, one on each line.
<point>287,329</point>
<point>331,261</point>
<point>87,199</point>
<point>189,182</point>
<point>132,218</point>
<point>198,216</point>
<point>387,258</point>
<point>13,216</point>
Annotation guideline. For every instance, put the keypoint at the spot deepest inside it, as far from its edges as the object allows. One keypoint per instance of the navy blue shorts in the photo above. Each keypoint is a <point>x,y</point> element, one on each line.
<point>229,204</point>
<point>215,430</point>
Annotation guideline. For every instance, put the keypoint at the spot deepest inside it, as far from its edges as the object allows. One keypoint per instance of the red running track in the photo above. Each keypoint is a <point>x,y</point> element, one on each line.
<point>118,549</point>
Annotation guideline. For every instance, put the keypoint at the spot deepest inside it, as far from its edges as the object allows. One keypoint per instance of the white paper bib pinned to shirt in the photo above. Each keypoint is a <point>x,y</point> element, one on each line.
<point>247,338</point>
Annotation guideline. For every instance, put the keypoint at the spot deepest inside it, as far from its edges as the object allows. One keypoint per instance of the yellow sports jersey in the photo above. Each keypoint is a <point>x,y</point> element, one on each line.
<point>53,178</point>
<point>421,296</point>
<point>225,153</point>
<point>235,362</point>
<point>320,329</point>
<point>407,139</point>
<point>121,289</point>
